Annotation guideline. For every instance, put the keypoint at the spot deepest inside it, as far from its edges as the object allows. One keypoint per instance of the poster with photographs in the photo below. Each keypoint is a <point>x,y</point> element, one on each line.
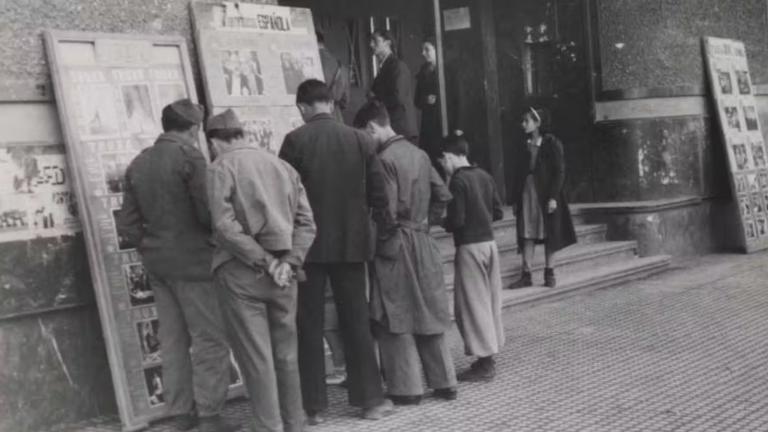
<point>36,198</point>
<point>733,94</point>
<point>110,90</point>
<point>266,127</point>
<point>254,54</point>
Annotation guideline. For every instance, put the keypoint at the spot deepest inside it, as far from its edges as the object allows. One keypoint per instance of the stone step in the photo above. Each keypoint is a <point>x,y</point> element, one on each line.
<point>506,238</point>
<point>569,260</point>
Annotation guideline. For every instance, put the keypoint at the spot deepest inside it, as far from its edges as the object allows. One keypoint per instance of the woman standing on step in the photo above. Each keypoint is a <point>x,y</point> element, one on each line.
<point>539,202</point>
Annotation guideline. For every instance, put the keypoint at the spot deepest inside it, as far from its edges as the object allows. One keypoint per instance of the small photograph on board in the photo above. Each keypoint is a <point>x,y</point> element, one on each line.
<point>761,226</point>
<point>751,183</point>
<point>137,283</point>
<point>235,376</point>
<point>750,117</point>
<point>757,204</point>
<point>732,117</point>
<point>153,378</point>
<point>98,115</point>
<point>762,179</point>
<point>742,183</point>
<point>740,156</point>
<point>745,205</point>
<point>140,118</point>
<point>122,243</point>
<point>14,220</point>
<point>758,154</point>
<point>742,80</point>
<point>168,93</point>
<point>296,69</point>
<point>148,340</point>
<point>114,165</point>
<point>242,73</point>
<point>749,229</point>
<point>259,133</point>
<point>724,79</point>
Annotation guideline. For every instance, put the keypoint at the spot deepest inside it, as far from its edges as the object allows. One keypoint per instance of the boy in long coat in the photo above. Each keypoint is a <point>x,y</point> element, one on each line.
<point>409,302</point>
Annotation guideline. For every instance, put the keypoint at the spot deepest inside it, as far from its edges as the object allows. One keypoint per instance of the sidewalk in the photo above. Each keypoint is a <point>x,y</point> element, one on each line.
<point>682,351</point>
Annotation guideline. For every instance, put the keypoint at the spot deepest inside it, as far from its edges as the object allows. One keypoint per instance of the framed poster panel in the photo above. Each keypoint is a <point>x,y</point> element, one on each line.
<point>253,58</point>
<point>733,93</point>
<point>110,90</point>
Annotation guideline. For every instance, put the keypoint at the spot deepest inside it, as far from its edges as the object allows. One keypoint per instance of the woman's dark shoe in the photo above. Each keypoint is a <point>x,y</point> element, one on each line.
<point>525,281</point>
<point>448,393</point>
<point>405,400</point>
<point>549,278</point>
<point>483,370</point>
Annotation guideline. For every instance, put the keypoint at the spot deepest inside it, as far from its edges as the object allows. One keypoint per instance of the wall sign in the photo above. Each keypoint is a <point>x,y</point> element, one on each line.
<point>110,90</point>
<point>457,19</point>
<point>733,93</point>
<point>253,58</point>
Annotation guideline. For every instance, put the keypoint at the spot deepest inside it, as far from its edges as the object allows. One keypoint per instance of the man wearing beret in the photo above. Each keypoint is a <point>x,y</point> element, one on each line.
<point>165,215</point>
<point>263,227</point>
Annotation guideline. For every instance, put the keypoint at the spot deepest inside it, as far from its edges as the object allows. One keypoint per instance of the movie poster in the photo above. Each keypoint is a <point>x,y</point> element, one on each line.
<point>733,93</point>
<point>253,58</point>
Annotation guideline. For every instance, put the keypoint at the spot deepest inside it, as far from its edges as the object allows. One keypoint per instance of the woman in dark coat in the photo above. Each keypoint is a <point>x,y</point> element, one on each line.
<point>427,99</point>
<point>540,206</point>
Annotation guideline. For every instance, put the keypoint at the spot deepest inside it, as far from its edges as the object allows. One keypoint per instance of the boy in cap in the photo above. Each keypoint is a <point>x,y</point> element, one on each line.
<point>165,215</point>
<point>263,227</point>
<point>477,281</point>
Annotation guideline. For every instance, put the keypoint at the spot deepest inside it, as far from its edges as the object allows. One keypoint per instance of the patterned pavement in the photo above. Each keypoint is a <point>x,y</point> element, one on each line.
<point>682,351</point>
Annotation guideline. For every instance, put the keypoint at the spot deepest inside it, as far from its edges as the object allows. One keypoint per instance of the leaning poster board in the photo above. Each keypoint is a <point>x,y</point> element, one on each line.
<point>733,93</point>
<point>110,90</point>
<point>253,57</point>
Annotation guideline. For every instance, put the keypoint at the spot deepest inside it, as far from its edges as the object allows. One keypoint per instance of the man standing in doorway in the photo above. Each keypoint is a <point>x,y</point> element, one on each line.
<point>342,174</point>
<point>263,229</point>
<point>165,215</point>
<point>409,302</point>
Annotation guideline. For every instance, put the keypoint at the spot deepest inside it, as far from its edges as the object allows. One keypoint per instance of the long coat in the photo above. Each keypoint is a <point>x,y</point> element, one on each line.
<point>343,177</point>
<point>548,176</point>
<point>408,292</point>
<point>430,132</point>
<point>393,86</point>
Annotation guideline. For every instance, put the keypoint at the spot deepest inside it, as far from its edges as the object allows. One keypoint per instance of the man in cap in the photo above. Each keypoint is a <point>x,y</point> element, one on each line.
<point>344,179</point>
<point>165,215</point>
<point>263,227</point>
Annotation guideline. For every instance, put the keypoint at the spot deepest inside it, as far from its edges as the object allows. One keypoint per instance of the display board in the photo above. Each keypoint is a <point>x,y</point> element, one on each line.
<point>253,57</point>
<point>733,93</point>
<point>110,90</point>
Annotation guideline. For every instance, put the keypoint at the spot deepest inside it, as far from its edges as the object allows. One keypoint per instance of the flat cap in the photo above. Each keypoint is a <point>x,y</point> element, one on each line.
<point>225,120</point>
<point>187,110</point>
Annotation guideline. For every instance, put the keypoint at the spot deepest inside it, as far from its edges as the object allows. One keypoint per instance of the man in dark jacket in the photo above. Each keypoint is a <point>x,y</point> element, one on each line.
<point>343,177</point>
<point>165,215</point>
<point>393,86</point>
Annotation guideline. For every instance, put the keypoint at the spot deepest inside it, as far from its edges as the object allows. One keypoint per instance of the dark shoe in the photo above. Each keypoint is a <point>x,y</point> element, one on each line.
<point>448,393</point>
<point>186,422</point>
<point>314,419</point>
<point>549,278</point>
<point>405,400</point>
<point>483,370</point>
<point>525,281</point>
<point>216,424</point>
<point>379,411</point>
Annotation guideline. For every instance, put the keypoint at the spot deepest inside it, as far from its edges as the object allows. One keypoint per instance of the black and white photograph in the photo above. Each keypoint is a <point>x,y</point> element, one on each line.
<point>740,156</point>
<point>746,205</point>
<point>750,230</point>
<point>296,69</point>
<point>153,379</point>
<point>137,283</point>
<point>761,225</point>
<point>758,154</point>
<point>98,112</point>
<point>149,342</point>
<point>744,83</point>
<point>139,115</point>
<point>732,117</point>
<point>242,73</point>
<point>724,81</point>
<point>762,179</point>
<point>750,118</point>
<point>259,133</point>
<point>757,204</point>
<point>113,165</point>
<point>122,243</point>
<point>742,183</point>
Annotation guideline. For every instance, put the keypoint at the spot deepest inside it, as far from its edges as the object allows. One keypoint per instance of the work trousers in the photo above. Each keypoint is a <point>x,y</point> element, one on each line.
<point>404,355</point>
<point>261,324</point>
<point>193,343</point>
<point>348,281</point>
<point>477,292</point>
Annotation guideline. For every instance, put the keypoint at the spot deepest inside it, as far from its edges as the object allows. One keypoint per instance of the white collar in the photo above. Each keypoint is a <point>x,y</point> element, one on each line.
<point>538,142</point>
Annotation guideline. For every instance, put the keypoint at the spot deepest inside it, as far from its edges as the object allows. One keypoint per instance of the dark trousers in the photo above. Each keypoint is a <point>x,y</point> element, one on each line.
<point>348,280</point>
<point>261,323</point>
